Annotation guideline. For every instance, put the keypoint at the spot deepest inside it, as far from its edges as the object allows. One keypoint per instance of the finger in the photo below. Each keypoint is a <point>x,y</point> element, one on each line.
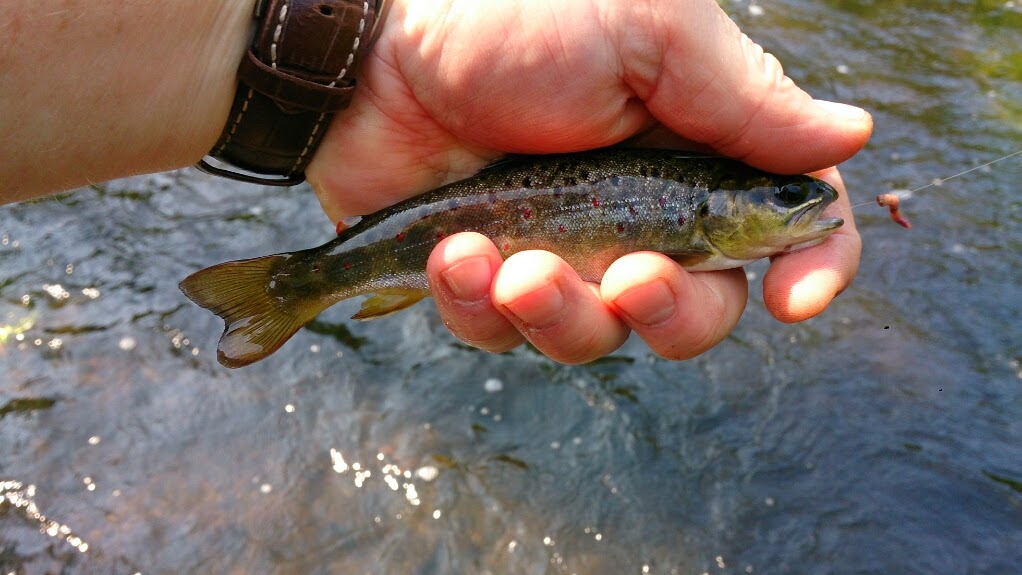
<point>679,314</point>
<point>742,104</point>
<point>801,284</point>
<point>461,269</point>
<point>563,316</point>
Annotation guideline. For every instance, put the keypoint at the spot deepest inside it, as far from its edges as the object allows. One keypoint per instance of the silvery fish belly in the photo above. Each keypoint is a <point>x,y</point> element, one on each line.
<point>589,208</point>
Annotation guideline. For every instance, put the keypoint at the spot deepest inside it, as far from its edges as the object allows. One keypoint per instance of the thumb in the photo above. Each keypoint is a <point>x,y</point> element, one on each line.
<point>715,86</point>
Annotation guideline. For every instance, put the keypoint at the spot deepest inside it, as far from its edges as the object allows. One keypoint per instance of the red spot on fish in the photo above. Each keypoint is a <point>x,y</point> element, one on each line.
<point>596,202</point>
<point>892,202</point>
<point>347,265</point>
<point>526,212</point>
<point>681,220</point>
<point>561,229</point>
<point>507,246</point>
<point>663,202</point>
<point>620,228</point>
<point>400,237</point>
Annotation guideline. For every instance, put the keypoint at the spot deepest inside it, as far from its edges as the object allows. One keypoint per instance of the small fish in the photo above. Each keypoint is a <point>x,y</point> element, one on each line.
<point>590,208</point>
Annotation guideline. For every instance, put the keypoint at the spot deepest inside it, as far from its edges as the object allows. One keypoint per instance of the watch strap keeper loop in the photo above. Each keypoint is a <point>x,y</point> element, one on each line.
<point>292,93</point>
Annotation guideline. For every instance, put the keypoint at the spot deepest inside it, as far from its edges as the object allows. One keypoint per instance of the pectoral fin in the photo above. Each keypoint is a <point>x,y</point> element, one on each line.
<point>691,258</point>
<point>387,302</point>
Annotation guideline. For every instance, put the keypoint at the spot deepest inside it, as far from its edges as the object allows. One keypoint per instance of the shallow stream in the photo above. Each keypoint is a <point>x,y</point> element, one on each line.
<point>884,436</point>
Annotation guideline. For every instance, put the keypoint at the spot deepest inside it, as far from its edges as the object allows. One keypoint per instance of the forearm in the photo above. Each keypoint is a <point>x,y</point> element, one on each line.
<point>96,89</point>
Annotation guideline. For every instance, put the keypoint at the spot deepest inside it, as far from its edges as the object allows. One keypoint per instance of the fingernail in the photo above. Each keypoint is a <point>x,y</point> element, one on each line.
<point>541,308</point>
<point>469,280</point>
<point>648,304</point>
<point>842,111</point>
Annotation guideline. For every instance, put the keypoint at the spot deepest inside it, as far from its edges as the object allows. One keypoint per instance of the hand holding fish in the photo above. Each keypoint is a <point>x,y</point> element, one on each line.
<point>449,86</point>
<point>453,85</point>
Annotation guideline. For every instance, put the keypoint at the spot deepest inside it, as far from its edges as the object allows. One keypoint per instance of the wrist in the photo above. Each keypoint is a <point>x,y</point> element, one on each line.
<point>108,89</point>
<point>227,38</point>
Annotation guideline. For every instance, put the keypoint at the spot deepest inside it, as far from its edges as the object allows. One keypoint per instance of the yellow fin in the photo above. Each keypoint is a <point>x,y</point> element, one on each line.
<point>386,302</point>
<point>255,324</point>
<point>690,258</point>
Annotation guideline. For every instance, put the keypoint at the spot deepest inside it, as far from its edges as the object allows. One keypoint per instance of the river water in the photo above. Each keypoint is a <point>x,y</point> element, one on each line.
<point>884,436</point>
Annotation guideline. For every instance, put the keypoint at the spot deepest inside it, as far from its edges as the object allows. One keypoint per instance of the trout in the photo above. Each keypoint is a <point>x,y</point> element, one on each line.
<point>589,208</point>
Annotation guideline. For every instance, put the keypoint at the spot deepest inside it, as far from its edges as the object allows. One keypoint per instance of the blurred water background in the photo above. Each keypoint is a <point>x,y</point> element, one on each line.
<point>884,436</point>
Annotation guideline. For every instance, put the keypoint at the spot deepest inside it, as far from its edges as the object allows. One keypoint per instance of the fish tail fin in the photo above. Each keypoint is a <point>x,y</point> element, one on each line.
<point>255,323</point>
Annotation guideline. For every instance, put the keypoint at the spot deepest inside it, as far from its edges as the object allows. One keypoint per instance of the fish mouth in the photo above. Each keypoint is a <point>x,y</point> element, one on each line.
<point>828,224</point>
<point>811,229</point>
<point>810,209</point>
<point>808,215</point>
<point>817,231</point>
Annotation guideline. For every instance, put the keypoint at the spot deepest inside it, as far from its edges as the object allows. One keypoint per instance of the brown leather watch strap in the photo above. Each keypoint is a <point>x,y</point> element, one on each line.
<point>299,71</point>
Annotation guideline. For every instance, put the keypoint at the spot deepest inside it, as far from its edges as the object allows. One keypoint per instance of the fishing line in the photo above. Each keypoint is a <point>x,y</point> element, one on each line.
<point>939,181</point>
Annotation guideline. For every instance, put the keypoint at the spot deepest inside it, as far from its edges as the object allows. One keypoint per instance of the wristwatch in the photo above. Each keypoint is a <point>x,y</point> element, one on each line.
<point>298,72</point>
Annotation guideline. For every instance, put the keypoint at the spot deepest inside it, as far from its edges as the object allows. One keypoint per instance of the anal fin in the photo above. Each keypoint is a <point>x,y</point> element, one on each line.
<point>386,302</point>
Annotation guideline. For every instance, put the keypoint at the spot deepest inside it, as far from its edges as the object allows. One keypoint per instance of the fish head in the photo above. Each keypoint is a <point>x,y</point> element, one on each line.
<point>779,215</point>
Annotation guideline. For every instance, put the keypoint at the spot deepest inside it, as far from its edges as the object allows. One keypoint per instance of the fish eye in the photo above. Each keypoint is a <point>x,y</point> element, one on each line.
<point>792,194</point>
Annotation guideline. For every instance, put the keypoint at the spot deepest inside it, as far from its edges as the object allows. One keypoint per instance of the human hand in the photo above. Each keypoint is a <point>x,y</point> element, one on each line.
<point>452,85</point>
